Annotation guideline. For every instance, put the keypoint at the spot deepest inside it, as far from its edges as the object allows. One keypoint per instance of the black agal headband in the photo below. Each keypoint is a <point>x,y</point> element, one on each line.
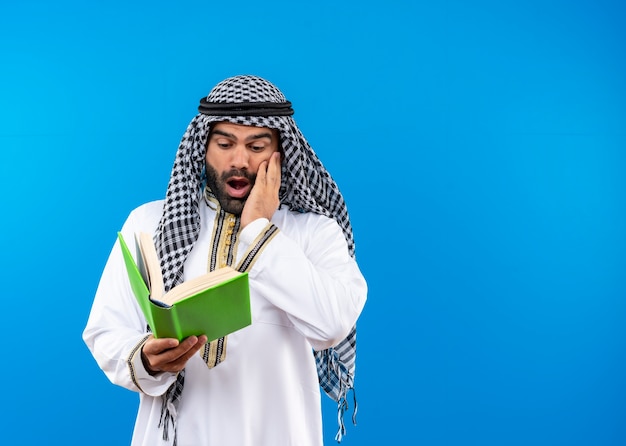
<point>245,108</point>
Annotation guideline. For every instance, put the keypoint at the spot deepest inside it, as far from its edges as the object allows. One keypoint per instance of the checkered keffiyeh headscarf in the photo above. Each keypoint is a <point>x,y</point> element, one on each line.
<point>305,186</point>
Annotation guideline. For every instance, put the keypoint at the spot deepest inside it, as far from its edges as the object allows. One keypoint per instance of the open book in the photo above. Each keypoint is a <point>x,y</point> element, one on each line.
<point>215,304</point>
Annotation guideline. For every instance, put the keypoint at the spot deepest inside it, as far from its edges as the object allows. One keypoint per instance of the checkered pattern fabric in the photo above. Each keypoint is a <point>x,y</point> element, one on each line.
<point>305,186</point>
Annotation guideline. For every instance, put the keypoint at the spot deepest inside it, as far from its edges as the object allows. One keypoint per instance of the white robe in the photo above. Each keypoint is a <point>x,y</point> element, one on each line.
<point>306,293</point>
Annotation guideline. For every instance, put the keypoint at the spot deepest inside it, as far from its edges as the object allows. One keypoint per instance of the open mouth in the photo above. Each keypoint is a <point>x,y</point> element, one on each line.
<point>238,184</point>
<point>238,187</point>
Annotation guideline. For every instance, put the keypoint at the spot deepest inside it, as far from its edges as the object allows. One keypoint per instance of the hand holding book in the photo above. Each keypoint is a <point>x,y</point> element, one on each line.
<point>169,355</point>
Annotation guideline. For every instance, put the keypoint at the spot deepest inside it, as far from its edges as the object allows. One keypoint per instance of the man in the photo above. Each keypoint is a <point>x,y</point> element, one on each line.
<point>246,190</point>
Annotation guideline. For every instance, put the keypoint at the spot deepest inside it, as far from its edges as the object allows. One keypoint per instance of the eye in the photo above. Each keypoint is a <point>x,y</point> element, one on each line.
<point>223,143</point>
<point>257,147</point>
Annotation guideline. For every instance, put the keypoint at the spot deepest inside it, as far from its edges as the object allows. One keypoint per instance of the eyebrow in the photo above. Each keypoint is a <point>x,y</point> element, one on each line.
<point>249,138</point>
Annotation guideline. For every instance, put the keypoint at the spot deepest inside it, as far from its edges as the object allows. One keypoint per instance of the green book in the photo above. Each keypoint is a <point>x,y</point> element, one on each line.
<point>215,304</point>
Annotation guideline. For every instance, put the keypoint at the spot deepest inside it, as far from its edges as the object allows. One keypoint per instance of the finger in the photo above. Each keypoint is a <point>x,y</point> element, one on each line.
<point>168,350</point>
<point>175,354</point>
<point>174,359</point>
<point>155,346</point>
<point>182,360</point>
<point>273,168</point>
<point>152,352</point>
<point>261,174</point>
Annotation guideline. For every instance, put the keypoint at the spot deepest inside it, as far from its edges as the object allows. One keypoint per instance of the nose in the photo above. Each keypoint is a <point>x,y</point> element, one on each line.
<point>240,157</point>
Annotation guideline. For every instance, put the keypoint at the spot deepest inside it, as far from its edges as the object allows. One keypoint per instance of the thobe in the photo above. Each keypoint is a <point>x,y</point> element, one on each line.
<point>306,293</point>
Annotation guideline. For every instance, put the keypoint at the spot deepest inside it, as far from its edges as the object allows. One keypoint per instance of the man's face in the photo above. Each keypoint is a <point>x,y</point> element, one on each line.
<point>234,153</point>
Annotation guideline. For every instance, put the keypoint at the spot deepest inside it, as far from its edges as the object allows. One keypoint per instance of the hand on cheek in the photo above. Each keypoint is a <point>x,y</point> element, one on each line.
<point>263,199</point>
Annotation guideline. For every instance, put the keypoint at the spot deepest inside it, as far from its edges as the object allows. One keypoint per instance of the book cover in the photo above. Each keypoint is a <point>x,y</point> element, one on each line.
<point>215,310</point>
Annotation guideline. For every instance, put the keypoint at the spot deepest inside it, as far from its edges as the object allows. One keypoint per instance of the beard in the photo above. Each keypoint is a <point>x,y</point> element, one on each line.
<point>217,183</point>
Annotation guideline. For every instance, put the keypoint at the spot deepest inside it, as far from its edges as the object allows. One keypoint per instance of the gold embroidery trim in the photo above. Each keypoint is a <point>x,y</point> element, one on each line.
<point>222,252</point>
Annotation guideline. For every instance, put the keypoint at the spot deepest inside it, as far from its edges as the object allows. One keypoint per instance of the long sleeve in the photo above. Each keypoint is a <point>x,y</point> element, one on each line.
<point>307,272</point>
<point>116,328</point>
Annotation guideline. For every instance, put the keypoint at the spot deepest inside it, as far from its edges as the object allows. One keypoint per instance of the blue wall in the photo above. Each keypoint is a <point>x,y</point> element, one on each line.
<point>481,149</point>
